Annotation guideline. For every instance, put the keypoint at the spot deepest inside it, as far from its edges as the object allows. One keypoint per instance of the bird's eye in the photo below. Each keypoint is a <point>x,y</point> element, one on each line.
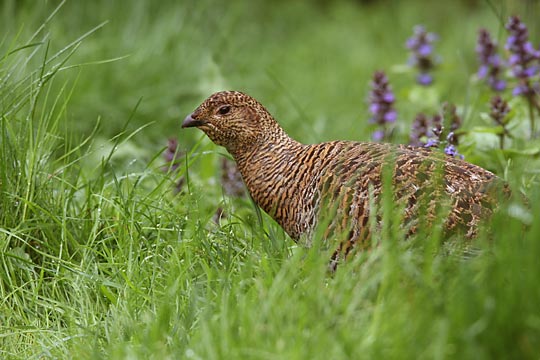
<point>224,109</point>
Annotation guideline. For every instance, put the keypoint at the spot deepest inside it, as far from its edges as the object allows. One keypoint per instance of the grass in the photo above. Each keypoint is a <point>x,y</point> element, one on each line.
<point>101,259</point>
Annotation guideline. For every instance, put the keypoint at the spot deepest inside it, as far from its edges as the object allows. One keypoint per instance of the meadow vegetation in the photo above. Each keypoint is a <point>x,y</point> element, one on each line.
<point>119,237</point>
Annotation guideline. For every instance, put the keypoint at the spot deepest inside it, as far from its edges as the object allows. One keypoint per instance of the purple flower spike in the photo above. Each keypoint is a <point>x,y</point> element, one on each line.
<point>497,85</point>
<point>424,79</point>
<point>499,110</point>
<point>378,135</point>
<point>419,130</point>
<point>424,50</point>
<point>452,151</point>
<point>429,132</point>
<point>231,179</point>
<point>432,143</point>
<point>171,155</point>
<point>523,57</point>
<point>421,47</point>
<point>390,116</point>
<point>381,102</point>
<point>491,65</point>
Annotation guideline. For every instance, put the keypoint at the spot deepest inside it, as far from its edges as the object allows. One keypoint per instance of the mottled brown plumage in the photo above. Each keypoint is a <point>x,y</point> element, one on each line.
<point>292,182</point>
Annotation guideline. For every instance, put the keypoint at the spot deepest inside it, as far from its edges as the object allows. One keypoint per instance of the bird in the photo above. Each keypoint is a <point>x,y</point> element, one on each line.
<point>337,184</point>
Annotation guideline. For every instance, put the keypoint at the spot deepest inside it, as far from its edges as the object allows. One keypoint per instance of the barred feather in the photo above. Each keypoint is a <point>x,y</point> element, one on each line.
<point>291,181</point>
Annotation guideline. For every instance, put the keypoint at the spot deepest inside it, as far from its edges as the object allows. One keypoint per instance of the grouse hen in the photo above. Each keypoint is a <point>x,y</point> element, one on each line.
<point>294,182</point>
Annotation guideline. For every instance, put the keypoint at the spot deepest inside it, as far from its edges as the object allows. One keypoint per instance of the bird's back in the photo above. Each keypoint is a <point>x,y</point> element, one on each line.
<point>339,184</point>
<point>336,182</point>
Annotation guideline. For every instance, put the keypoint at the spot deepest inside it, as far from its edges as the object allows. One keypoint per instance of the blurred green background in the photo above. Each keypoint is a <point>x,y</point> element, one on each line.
<point>309,62</point>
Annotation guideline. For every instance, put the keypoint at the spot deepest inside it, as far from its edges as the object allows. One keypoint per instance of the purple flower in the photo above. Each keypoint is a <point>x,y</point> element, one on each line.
<point>434,134</point>
<point>522,89</point>
<point>432,143</point>
<point>381,102</point>
<point>426,131</point>
<point>419,130</point>
<point>452,151</point>
<point>523,57</point>
<point>429,132</point>
<point>452,121</point>
<point>421,47</point>
<point>390,116</point>
<point>231,179</point>
<point>491,65</point>
<point>452,138</point>
<point>424,79</point>
<point>497,85</point>
<point>378,135</point>
<point>499,110</point>
<point>171,156</point>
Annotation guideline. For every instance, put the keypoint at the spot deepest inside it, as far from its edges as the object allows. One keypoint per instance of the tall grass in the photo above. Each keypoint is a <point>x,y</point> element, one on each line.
<point>100,258</point>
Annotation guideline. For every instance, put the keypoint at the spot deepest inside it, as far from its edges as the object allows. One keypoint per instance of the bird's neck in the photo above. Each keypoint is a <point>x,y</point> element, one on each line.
<point>264,165</point>
<point>274,143</point>
<point>263,154</point>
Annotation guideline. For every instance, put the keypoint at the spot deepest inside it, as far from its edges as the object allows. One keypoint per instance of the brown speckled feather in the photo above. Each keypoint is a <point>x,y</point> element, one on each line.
<point>292,181</point>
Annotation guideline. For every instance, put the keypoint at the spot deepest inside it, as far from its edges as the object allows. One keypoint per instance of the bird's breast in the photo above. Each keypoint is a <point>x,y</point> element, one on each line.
<point>282,186</point>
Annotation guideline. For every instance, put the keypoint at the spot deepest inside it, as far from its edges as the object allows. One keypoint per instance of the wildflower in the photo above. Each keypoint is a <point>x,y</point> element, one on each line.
<point>381,101</point>
<point>232,183</point>
<point>450,148</point>
<point>171,155</point>
<point>524,62</point>
<point>432,142</point>
<point>421,46</point>
<point>231,179</point>
<point>430,132</point>
<point>426,131</point>
<point>419,130</point>
<point>437,124</point>
<point>498,112</point>
<point>451,120</point>
<point>523,57</point>
<point>491,65</point>
<point>435,132</point>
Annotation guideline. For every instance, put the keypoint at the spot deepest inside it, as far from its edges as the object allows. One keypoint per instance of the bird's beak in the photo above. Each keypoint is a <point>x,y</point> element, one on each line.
<point>189,121</point>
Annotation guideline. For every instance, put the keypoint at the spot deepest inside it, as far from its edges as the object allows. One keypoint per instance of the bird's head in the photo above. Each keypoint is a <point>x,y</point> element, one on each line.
<point>234,120</point>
